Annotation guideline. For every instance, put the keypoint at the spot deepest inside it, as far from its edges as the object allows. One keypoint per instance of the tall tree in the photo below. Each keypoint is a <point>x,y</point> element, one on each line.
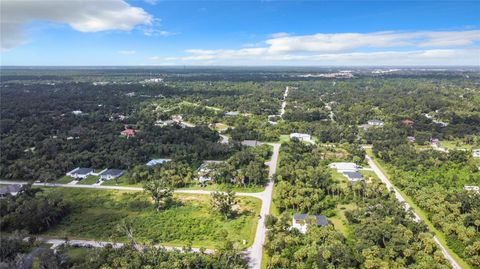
<point>224,203</point>
<point>161,192</point>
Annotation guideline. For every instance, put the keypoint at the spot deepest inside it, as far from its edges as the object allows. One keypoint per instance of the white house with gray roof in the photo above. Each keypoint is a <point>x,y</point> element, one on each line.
<point>301,221</point>
<point>80,173</point>
<point>110,174</point>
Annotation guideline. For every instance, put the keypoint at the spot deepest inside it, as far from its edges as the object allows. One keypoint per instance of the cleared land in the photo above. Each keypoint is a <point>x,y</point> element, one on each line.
<point>96,214</point>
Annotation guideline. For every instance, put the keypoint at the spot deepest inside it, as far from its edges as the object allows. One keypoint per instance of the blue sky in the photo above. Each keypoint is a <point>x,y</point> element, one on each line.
<point>118,32</point>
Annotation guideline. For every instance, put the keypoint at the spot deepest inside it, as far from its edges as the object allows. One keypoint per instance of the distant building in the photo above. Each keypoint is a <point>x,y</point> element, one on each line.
<point>163,123</point>
<point>472,188</point>
<point>232,113</point>
<point>378,123</point>
<point>154,162</point>
<point>204,172</point>
<point>344,167</point>
<point>251,143</point>
<point>80,173</point>
<point>110,174</point>
<point>301,221</point>
<point>434,142</point>
<point>129,133</point>
<point>177,118</point>
<point>13,189</point>
<point>365,126</point>
<point>77,112</point>
<point>411,139</point>
<point>353,176</point>
<point>476,153</point>
<point>408,122</point>
<point>301,137</point>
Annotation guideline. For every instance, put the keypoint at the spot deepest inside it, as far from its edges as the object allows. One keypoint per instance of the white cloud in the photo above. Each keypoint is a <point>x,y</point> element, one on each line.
<point>127,52</point>
<point>83,16</point>
<point>151,2</point>
<point>388,48</point>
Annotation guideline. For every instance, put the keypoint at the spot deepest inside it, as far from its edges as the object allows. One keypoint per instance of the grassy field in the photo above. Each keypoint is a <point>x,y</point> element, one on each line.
<point>224,187</point>
<point>284,138</point>
<point>339,221</point>
<point>96,214</point>
<point>64,180</point>
<point>456,144</point>
<point>420,212</point>
<point>123,181</point>
<point>89,180</point>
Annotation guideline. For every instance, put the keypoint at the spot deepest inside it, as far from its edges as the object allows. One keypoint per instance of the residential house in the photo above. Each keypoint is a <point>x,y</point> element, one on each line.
<point>251,143</point>
<point>407,122</point>
<point>353,176</point>
<point>232,113</point>
<point>13,189</point>
<point>301,221</point>
<point>434,142</point>
<point>177,118</point>
<point>129,133</point>
<point>472,188</point>
<point>301,137</point>
<point>110,174</point>
<point>411,139</point>
<point>163,123</point>
<point>344,167</point>
<point>204,172</point>
<point>154,162</point>
<point>77,112</point>
<point>378,123</point>
<point>80,173</point>
<point>476,153</point>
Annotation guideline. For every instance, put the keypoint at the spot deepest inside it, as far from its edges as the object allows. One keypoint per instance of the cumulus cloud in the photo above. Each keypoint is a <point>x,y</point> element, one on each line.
<point>83,16</point>
<point>389,48</point>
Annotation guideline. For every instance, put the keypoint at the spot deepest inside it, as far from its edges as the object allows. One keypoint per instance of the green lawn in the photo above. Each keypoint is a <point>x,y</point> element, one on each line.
<point>339,221</point>
<point>121,181</point>
<point>224,187</point>
<point>284,138</point>
<point>420,212</point>
<point>96,214</point>
<point>89,180</point>
<point>456,144</point>
<point>64,180</point>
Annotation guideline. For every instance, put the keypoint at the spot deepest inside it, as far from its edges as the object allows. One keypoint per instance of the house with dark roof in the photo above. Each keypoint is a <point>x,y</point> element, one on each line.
<point>80,173</point>
<point>301,221</point>
<point>13,189</point>
<point>353,176</point>
<point>110,174</point>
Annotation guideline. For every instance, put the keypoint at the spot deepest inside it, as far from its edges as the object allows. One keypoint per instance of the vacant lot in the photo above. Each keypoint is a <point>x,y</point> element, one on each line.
<point>97,214</point>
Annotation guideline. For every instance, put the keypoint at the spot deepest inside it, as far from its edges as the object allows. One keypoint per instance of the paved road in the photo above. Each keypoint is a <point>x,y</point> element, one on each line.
<point>407,206</point>
<point>100,244</point>
<point>123,188</point>
<point>284,103</point>
<point>255,251</point>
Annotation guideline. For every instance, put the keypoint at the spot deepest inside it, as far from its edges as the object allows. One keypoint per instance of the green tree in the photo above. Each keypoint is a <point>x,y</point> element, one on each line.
<point>161,192</point>
<point>224,203</point>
